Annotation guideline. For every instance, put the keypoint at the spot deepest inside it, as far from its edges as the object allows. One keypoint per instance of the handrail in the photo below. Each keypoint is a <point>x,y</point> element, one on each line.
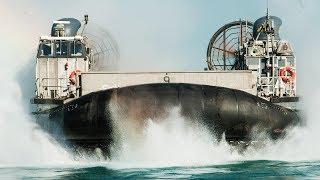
<point>270,85</point>
<point>54,78</point>
<point>54,86</point>
<point>60,85</point>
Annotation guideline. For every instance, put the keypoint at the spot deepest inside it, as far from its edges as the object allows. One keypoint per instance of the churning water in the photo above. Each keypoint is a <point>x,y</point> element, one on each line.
<point>172,148</point>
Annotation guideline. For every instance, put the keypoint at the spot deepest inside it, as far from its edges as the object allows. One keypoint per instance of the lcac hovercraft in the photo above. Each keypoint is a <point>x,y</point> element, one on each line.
<point>249,83</point>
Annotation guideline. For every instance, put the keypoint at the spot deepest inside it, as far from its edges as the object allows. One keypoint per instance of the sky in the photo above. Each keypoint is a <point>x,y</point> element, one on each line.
<point>166,34</point>
<point>154,34</point>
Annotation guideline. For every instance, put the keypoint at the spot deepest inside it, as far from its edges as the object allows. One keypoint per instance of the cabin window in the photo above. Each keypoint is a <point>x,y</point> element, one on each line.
<point>45,49</point>
<point>61,48</point>
<point>77,48</point>
<point>290,61</point>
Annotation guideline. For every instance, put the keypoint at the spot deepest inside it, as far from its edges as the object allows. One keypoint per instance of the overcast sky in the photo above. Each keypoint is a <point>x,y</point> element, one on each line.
<point>157,34</point>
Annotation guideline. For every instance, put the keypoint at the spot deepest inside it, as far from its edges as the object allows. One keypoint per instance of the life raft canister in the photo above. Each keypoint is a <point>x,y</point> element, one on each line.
<point>287,79</point>
<point>72,77</point>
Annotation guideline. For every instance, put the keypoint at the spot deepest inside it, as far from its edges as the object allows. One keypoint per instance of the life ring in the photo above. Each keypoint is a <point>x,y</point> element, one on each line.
<point>72,77</point>
<point>287,79</point>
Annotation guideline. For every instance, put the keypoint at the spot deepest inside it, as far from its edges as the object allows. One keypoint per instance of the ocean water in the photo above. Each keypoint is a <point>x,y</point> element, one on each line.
<point>170,150</point>
<point>236,170</point>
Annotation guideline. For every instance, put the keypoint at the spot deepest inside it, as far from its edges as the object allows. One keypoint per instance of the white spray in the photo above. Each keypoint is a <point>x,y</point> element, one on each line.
<point>173,141</point>
<point>21,141</point>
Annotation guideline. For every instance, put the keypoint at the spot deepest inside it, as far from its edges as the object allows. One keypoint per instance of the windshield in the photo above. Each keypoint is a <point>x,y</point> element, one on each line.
<point>61,48</point>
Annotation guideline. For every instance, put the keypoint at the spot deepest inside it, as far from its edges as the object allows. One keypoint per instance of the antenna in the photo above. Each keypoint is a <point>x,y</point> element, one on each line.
<point>86,19</point>
<point>267,9</point>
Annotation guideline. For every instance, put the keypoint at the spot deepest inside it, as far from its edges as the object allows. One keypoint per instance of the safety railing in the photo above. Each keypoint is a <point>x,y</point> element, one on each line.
<point>274,86</point>
<point>52,88</point>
